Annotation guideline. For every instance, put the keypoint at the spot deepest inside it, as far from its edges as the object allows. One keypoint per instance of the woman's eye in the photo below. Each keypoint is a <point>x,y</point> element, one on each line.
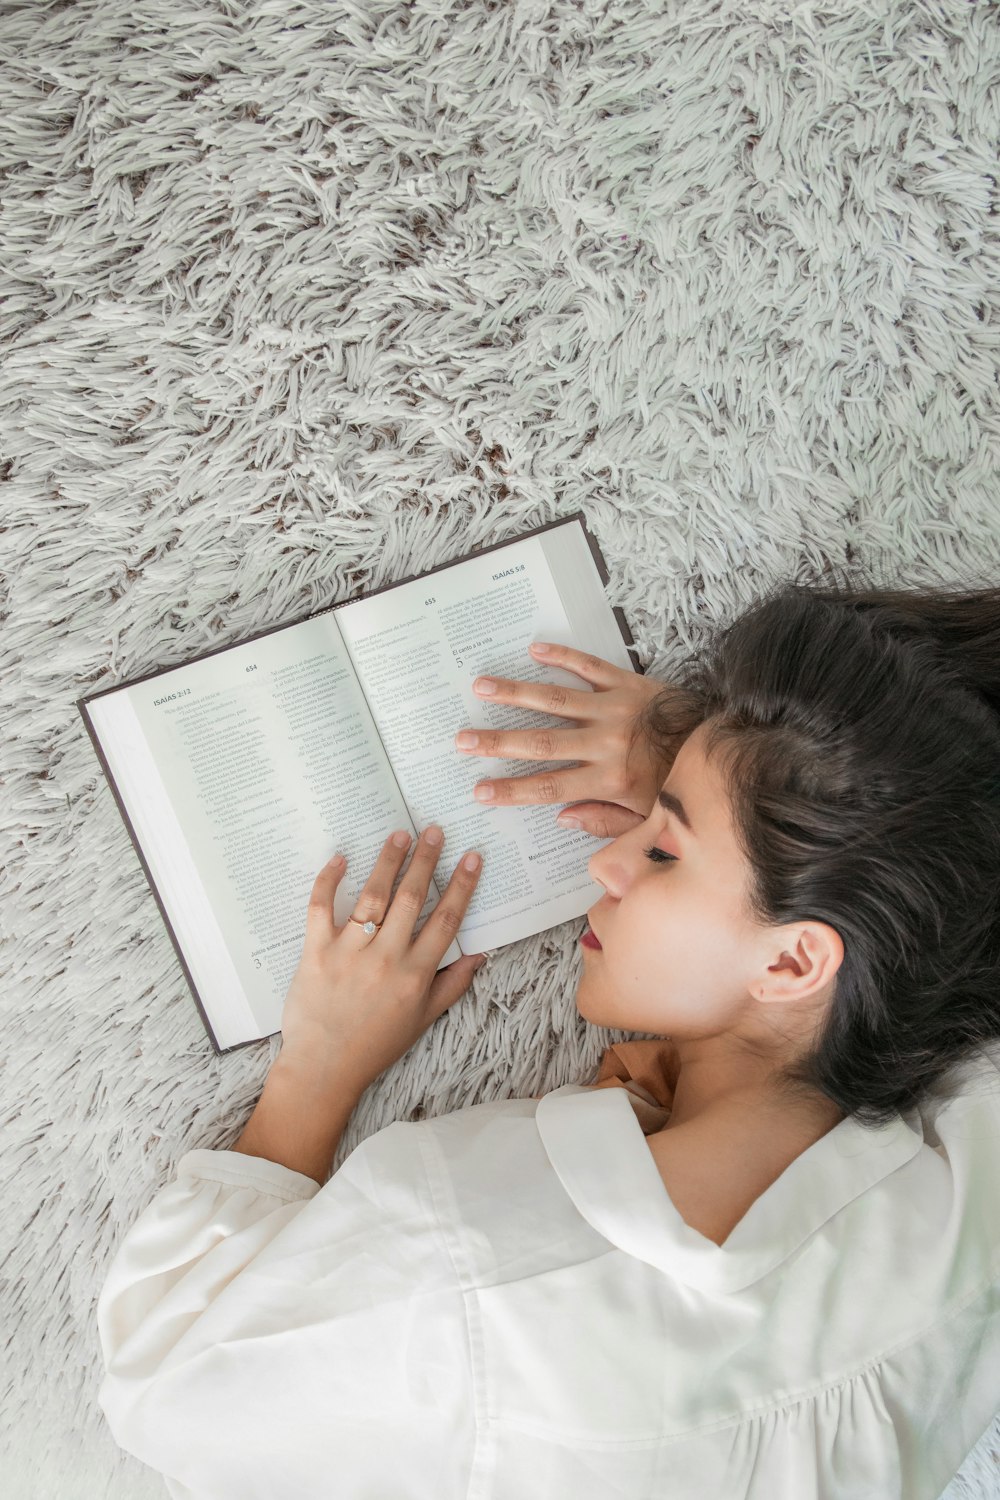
<point>658,856</point>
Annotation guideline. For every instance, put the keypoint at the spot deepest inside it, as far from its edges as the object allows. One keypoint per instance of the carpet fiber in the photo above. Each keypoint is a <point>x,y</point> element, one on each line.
<point>299,298</point>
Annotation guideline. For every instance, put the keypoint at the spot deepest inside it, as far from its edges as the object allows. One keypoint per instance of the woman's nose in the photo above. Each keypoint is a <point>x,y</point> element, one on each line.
<point>611,858</point>
<point>600,861</point>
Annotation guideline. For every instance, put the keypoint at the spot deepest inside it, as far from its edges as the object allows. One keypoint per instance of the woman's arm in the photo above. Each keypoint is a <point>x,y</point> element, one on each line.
<point>257,1329</point>
<point>299,1119</point>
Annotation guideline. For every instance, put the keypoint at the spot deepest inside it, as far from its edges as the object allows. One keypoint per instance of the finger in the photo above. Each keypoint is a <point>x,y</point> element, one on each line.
<point>411,896</point>
<point>604,820</point>
<point>525,744</point>
<point>438,932</point>
<point>552,697</point>
<point>374,898</point>
<point>319,912</point>
<point>583,663</point>
<point>546,788</point>
<point>452,983</point>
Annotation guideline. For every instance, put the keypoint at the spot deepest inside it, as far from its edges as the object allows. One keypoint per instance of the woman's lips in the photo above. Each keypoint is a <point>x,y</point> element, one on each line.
<point>589,939</point>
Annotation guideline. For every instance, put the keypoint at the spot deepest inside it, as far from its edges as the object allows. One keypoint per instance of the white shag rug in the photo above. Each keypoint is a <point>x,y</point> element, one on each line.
<point>297,298</point>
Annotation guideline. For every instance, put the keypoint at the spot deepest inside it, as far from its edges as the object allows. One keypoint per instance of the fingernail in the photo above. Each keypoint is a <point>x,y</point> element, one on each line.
<point>565,821</point>
<point>483,793</point>
<point>434,835</point>
<point>466,740</point>
<point>401,839</point>
<point>484,685</point>
<point>471,862</point>
<point>539,648</point>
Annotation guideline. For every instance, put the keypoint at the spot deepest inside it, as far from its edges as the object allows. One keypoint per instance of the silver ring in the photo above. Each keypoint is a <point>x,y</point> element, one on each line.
<point>369,927</point>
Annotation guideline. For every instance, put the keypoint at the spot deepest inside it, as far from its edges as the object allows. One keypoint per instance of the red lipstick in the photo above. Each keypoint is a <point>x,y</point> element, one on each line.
<point>589,940</point>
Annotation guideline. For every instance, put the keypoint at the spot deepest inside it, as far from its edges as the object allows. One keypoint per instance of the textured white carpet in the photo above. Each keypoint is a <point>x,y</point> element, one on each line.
<point>299,298</point>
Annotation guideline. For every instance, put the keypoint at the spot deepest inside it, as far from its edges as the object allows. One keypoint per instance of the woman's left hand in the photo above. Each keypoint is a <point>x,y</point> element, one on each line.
<point>356,1003</point>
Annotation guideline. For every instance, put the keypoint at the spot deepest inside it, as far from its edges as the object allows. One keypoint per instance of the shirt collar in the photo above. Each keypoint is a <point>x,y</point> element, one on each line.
<point>599,1152</point>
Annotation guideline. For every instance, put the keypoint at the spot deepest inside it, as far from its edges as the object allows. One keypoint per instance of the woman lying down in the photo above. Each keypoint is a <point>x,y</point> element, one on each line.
<point>758,1257</point>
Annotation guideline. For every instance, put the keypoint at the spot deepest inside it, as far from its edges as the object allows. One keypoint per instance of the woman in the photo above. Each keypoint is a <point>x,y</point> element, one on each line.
<point>757,1257</point>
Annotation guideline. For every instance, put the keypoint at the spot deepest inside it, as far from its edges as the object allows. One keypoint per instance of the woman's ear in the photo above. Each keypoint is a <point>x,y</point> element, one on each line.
<point>809,956</point>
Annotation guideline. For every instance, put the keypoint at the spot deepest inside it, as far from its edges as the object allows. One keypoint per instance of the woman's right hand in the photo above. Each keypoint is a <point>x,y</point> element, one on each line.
<point>611,790</point>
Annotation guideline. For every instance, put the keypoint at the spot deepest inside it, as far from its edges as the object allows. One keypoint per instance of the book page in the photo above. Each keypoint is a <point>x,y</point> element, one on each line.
<point>271,763</point>
<point>417,649</point>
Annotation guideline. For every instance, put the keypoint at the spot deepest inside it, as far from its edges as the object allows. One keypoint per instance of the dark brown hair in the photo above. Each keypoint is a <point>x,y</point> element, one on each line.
<point>858,732</point>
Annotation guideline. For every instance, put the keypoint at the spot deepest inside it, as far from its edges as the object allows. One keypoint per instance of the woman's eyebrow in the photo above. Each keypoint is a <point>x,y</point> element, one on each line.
<point>676,806</point>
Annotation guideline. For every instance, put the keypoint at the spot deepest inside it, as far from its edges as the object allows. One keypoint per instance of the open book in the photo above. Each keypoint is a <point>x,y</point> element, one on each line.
<point>240,773</point>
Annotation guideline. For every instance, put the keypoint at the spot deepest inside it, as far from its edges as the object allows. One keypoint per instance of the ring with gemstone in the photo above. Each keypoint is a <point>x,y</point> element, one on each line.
<point>368,927</point>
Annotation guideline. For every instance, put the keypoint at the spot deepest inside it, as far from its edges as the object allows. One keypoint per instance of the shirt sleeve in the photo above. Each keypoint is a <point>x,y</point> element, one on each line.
<point>260,1333</point>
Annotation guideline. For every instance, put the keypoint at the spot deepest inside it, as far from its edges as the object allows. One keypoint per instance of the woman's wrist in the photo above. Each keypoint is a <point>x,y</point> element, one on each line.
<point>299,1118</point>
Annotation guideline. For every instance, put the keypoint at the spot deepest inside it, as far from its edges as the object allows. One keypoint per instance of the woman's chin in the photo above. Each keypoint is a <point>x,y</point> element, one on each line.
<point>584,1008</point>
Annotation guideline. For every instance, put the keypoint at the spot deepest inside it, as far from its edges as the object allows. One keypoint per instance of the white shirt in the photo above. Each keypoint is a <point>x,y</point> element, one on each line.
<point>504,1304</point>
